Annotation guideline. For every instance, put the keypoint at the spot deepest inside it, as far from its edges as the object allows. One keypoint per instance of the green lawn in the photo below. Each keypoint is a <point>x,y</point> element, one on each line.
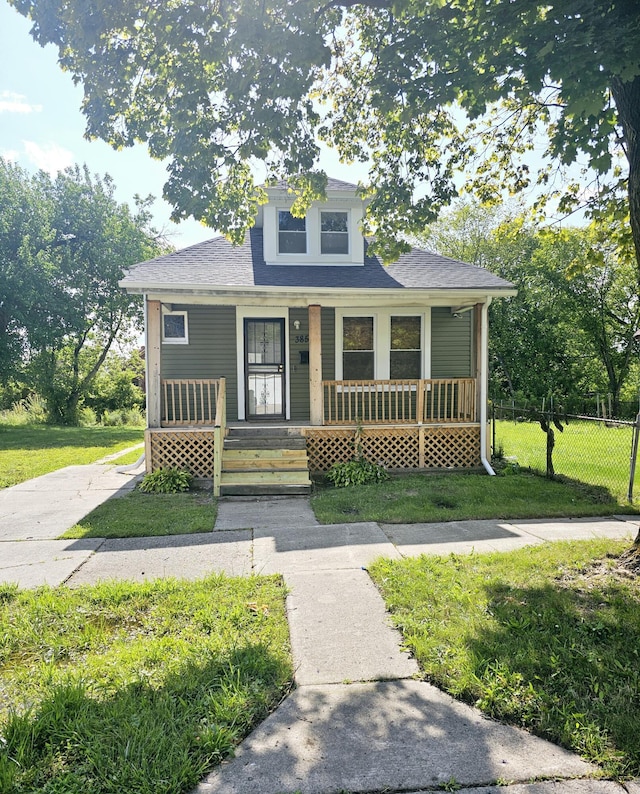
<point>546,638</point>
<point>140,688</point>
<point>27,451</point>
<point>139,514</point>
<point>587,451</point>
<point>454,497</point>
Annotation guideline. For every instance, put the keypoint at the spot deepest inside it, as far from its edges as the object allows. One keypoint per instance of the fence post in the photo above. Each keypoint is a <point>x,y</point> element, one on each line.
<point>634,456</point>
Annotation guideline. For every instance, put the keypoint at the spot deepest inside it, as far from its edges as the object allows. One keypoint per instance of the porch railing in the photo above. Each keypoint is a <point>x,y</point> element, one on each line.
<point>439,400</point>
<point>189,402</point>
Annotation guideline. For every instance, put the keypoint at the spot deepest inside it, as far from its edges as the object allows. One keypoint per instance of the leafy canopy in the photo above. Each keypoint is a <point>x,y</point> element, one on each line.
<point>420,89</point>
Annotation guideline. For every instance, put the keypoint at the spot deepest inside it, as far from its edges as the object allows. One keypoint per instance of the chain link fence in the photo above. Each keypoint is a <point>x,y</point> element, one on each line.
<point>600,452</point>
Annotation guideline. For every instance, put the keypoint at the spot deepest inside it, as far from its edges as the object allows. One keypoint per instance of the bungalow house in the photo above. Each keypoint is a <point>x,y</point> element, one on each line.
<point>284,355</point>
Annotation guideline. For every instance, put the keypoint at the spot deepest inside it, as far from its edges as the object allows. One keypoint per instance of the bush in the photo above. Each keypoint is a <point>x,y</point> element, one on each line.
<point>87,417</point>
<point>358,471</point>
<point>170,480</point>
<point>30,411</point>
<point>130,417</point>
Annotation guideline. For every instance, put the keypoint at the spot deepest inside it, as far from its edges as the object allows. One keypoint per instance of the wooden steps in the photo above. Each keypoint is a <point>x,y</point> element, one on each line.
<point>264,461</point>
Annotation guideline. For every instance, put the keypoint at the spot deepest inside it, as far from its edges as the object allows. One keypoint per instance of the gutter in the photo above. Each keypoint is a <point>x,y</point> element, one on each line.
<point>484,386</point>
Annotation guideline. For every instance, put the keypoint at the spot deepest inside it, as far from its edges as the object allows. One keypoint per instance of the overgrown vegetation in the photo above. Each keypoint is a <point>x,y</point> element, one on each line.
<point>415,498</point>
<point>143,515</point>
<point>129,687</point>
<point>546,638</point>
<point>29,451</point>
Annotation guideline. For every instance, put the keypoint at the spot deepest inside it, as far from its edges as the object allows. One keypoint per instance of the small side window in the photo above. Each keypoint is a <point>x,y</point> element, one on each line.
<point>175,328</point>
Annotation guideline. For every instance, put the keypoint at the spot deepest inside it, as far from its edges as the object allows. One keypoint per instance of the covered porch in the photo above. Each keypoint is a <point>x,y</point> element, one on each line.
<point>407,424</point>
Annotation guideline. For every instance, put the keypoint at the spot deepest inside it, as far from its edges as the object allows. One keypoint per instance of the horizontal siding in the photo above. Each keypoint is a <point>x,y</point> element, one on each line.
<point>328,343</point>
<point>451,344</point>
<point>211,352</point>
<point>299,373</point>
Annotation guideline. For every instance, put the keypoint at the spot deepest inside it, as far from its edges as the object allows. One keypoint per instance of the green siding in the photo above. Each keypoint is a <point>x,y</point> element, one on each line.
<point>451,344</point>
<point>299,372</point>
<point>211,352</point>
<point>328,344</point>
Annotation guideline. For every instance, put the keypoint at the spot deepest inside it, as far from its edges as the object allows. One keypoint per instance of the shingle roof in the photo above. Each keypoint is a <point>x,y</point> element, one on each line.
<point>217,265</point>
<point>332,184</point>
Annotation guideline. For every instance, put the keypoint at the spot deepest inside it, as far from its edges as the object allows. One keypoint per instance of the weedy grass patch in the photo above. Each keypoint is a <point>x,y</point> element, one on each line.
<point>547,638</point>
<point>135,687</point>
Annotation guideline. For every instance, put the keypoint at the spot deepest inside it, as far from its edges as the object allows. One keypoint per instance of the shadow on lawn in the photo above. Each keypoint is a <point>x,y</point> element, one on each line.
<point>564,664</point>
<point>142,738</point>
<point>53,437</point>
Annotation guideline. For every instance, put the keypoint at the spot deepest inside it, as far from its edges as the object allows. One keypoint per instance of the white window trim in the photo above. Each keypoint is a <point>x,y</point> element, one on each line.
<point>349,234</point>
<point>306,235</point>
<point>382,338</point>
<point>181,340</point>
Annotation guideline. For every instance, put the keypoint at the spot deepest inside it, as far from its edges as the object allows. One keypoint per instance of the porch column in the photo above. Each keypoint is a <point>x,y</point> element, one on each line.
<point>315,364</point>
<point>152,354</point>
<point>481,355</point>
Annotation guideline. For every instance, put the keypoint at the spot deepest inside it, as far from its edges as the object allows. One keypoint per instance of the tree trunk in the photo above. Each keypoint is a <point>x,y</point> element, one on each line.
<point>627,99</point>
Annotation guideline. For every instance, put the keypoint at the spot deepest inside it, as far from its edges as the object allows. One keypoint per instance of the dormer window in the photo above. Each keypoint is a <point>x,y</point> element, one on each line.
<point>292,234</point>
<point>334,233</point>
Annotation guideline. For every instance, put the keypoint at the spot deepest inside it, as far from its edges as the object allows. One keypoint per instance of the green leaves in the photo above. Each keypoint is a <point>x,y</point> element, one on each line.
<point>433,95</point>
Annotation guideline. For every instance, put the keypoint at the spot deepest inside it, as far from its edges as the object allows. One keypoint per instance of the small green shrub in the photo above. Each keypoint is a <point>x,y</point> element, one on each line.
<point>129,417</point>
<point>166,481</point>
<point>358,471</point>
<point>87,417</point>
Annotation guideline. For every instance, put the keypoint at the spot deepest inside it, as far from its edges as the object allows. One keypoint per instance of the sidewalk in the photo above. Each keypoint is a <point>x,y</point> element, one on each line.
<point>358,720</point>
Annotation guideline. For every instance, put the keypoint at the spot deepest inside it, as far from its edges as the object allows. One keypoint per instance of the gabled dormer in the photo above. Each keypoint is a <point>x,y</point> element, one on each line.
<point>329,234</point>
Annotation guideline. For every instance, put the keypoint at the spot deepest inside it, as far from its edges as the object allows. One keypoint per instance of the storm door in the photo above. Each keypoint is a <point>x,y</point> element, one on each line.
<point>264,368</point>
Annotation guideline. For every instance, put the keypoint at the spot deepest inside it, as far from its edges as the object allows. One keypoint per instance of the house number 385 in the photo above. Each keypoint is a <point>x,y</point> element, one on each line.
<point>301,339</point>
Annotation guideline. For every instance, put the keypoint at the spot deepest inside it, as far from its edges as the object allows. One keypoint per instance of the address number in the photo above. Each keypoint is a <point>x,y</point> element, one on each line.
<point>301,339</point>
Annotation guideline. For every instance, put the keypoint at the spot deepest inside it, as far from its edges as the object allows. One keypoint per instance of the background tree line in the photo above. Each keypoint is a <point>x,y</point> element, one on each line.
<point>570,330</point>
<point>64,244</point>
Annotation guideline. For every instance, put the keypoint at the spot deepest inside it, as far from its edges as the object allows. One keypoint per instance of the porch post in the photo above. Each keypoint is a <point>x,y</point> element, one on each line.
<point>481,355</point>
<point>152,353</point>
<point>315,365</point>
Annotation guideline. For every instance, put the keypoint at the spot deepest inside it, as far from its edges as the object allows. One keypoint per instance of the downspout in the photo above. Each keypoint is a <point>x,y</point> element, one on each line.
<point>484,384</point>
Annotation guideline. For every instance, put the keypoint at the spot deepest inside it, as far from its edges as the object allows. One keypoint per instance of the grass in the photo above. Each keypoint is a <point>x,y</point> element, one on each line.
<point>587,451</point>
<point>31,450</point>
<point>454,497</point>
<point>546,638</point>
<point>139,514</point>
<point>135,687</point>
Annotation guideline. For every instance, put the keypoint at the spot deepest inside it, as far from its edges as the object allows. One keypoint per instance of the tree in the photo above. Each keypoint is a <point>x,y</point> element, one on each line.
<point>96,239</point>
<point>25,235</point>
<point>421,88</point>
<point>570,328</point>
<point>61,264</point>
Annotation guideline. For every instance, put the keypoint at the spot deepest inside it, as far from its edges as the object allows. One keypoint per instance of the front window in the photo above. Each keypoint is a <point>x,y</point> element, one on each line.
<point>292,234</point>
<point>357,348</point>
<point>334,233</point>
<point>405,355</point>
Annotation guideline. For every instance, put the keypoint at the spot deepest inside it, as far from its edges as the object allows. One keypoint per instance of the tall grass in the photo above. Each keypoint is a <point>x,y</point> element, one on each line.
<point>124,687</point>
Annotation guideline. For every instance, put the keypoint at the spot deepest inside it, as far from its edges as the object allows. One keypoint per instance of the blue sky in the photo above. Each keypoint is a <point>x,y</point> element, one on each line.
<point>41,126</point>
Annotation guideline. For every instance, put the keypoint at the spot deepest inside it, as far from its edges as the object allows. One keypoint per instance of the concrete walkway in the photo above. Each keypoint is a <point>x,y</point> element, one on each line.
<point>358,721</point>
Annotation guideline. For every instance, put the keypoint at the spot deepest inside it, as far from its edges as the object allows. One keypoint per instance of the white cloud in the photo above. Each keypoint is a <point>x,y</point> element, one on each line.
<point>50,157</point>
<point>10,102</point>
